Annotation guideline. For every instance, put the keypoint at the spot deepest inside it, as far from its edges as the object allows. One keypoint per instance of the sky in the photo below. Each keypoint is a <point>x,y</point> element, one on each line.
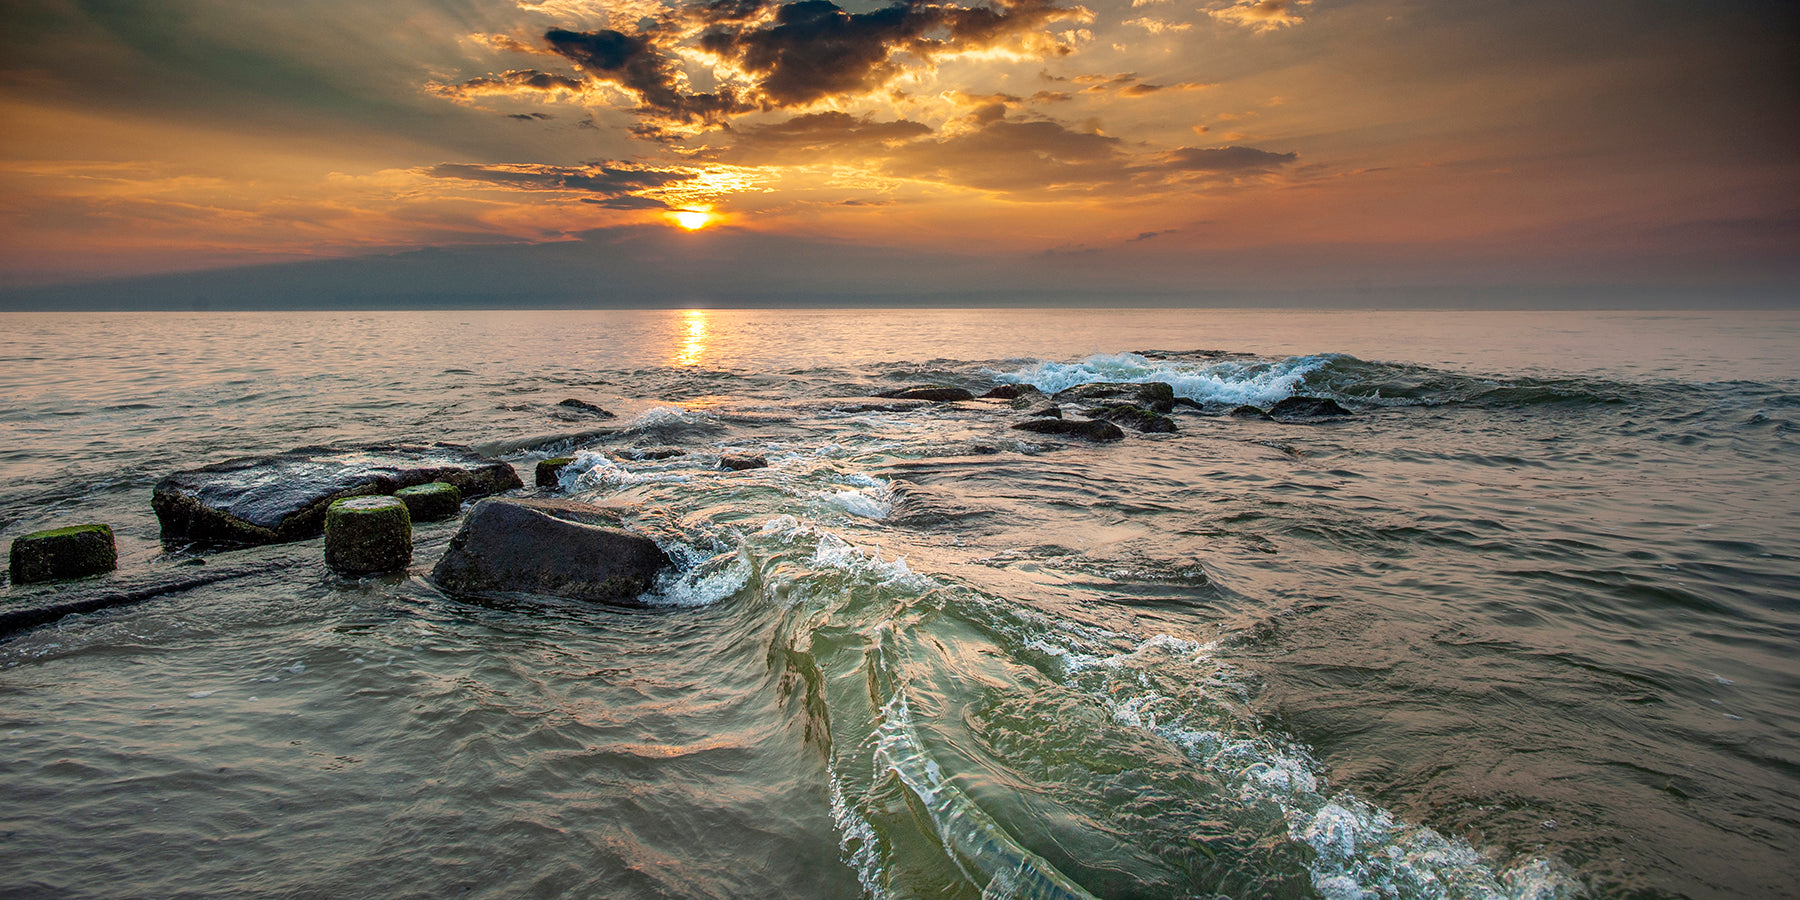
<point>1112,147</point>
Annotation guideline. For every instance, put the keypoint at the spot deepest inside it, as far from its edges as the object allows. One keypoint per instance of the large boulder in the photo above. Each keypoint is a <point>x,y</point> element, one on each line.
<point>557,547</point>
<point>274,499</point>
<point>1086,429</point>
<point>1156,396</point>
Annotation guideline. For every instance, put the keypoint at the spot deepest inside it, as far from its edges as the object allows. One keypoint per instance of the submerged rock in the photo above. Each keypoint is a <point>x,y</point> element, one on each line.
<point>1045,411</point>
<point>1306,408</point>
<point>557,547</point>
<point>1249,412</point>
<point>645,454</point>
<point>935,393</point>
<point>274,499</point>
<point>427,502</point>
<point>738,462</point>
<point>1136,418</point>
<point>549,471</point>
<point>76,551</point>
<point>365,535</point>
<point>1089,429</point>
<point>586,407</point>
<point>1156,396</point>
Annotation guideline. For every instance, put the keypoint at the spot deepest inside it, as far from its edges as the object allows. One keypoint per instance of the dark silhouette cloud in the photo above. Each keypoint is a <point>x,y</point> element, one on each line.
<point>816,134</point>
<point>637,64</point>
<point>1226,159</point>
<point>618,186</point>
<point>515,81</point>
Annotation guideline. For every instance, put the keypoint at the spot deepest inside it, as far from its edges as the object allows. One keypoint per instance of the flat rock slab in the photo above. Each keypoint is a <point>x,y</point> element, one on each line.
<point>561,548</point>
<point>274,499</point>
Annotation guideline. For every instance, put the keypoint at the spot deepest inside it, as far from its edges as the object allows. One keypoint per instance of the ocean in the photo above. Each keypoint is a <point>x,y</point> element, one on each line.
<point>1523,625</point>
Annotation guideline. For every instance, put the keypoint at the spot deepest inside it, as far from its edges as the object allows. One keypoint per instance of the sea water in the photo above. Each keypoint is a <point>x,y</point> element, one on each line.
<point>1523,625</point>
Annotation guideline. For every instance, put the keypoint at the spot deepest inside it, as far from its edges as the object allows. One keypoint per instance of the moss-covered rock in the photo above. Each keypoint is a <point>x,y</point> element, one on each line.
<point>1010,392</point>
<point>58,553</point>
<point>1307,408</point>
<point>364,535</point>
<point>430,502</point>
<point>549,471</point>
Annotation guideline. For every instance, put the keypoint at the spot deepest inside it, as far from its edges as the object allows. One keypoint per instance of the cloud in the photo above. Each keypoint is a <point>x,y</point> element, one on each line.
<point>1017,157</point>
<point>510,83</point>
<point>1225,159</point>
<point>1158,26</point>
<point>619,186</point>
<point>634,62</point>
<point>812,135</point>
<point>1260,15</point>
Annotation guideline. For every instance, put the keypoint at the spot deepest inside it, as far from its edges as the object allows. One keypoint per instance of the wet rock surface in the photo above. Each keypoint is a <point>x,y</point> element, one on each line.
<point>560,548</point>
<point>1136,418</point>
<point>430,502</point>
<point>739,462</point>
<point>365,535</point>
<point>1086,429</point>
<point>935,393</point>
<point>1307,408</point>
<point>1156,396</point>
<point>279,498</point>
<point>582,406</point>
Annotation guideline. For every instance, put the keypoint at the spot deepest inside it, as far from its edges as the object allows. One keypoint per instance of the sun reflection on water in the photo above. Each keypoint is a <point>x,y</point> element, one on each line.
<point>693,347</point>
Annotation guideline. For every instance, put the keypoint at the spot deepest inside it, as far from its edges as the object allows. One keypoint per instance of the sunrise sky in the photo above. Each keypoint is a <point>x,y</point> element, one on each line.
<point>1128,144</point>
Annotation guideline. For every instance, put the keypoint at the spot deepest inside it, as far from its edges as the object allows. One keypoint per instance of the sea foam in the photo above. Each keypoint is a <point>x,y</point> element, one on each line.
<point>1228,382</point>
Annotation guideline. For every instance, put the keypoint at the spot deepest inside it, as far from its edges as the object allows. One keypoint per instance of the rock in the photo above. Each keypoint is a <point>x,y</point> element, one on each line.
<point>1249,412</point>
<point>1010,392</point>
<point>1137,419</point>
<point>1307,407</point>
<point>936,393</point>
<point>741,461</point>
<point>586,407</point>
<point>1046,411</point>
<point>364,535</point>
<point>429,502</point>
<point>76,551</point>
<point>1156,396</point>
<point>556,547</point>
<point>644,454</point>
<point>274,499</point>
<point>549,471</point>
<point>1089,429</point>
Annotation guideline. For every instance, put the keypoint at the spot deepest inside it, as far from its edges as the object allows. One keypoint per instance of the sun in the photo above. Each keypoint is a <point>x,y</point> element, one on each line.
<point>692,219</point>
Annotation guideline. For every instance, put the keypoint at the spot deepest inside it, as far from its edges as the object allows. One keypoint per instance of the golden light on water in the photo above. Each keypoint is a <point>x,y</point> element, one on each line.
<point>692,219</point>
<point>693,347</point>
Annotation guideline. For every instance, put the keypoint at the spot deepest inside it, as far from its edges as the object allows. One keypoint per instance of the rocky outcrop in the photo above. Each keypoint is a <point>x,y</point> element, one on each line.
<point>1136,418</point>
<point>274,499</point>
<point>556,547</point>
<point>1156,396</point>
<point>1248,412</point>
<point>935,393</point>
<point>76,551</point>
<point>738,462</point>
<point>1307,408</point>
<point>549,471</point>
<point>1086,429</point>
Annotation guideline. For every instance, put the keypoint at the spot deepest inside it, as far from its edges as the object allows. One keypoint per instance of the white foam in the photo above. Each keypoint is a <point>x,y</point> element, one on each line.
<point>658,418</point>
<point>1230,382</point>
<point>590,469</point>
<point>858,503</point>
<point>704,584</point>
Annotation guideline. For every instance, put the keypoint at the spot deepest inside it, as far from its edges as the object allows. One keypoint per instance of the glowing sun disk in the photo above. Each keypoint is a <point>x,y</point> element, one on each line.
<point>692,219</point>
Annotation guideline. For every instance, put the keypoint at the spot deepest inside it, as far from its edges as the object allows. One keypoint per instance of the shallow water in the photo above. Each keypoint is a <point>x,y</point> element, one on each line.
<point>1522,626</point>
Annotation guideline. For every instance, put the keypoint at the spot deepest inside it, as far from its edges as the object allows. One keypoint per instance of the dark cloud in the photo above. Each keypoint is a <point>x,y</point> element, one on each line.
<point>530,117</point>
<point>617,185</point>
<point>1225,159</point>
<point>636,63</point>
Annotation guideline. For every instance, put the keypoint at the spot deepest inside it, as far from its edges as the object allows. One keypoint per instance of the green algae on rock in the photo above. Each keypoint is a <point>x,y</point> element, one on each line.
<point>75,551</point>
<point>365,535</point>
<point>431,502</point>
